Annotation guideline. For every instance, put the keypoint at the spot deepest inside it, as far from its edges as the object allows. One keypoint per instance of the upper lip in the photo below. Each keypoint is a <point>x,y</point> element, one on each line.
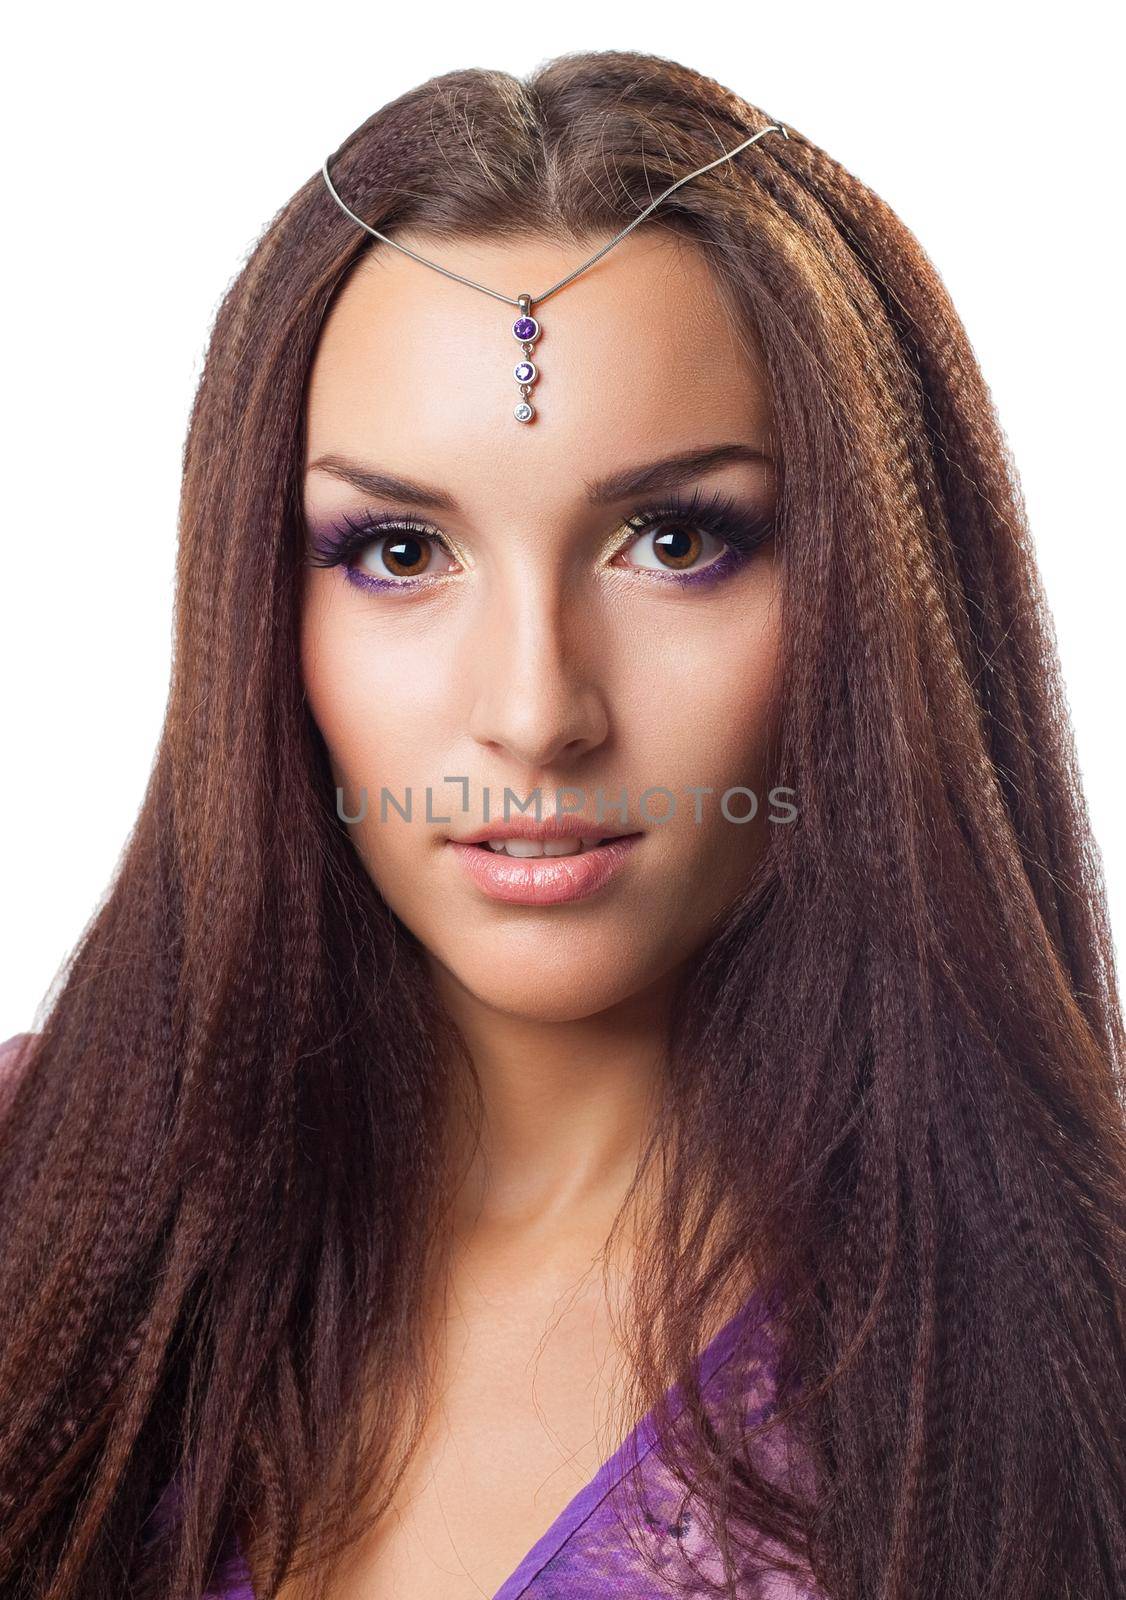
<point>571,826</point>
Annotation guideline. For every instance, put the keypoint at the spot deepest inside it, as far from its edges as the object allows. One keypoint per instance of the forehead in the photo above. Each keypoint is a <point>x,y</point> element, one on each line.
<point>637,358</point>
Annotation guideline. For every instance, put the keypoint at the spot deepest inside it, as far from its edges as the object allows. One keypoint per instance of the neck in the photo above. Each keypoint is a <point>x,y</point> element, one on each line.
<point>567,1107</point>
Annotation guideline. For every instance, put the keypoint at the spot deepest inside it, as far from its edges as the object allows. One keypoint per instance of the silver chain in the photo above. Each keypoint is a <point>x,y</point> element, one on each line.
<point>773,127</point>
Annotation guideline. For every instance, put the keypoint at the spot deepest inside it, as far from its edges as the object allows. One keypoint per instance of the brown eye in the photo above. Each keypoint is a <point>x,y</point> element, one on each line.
<point>406,558</point>
<point>399,555</point>
<point>672,546</point>
<point>678,547</point>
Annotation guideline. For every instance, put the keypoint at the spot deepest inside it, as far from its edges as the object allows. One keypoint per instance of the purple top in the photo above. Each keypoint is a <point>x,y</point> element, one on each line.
<point>609,1542</point>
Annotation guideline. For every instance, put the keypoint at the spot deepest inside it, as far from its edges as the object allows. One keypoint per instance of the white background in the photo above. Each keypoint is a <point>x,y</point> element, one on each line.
<point>148,147</point>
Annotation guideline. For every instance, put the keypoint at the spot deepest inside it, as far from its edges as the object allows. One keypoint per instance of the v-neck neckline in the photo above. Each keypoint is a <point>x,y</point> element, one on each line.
<point>630,1453</point>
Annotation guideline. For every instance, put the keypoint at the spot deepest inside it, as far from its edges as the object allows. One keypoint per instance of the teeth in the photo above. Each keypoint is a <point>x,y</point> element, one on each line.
<point>528,849</point>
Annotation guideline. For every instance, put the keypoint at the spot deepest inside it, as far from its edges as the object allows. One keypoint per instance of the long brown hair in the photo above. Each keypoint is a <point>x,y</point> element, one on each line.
<point>895,1073</point>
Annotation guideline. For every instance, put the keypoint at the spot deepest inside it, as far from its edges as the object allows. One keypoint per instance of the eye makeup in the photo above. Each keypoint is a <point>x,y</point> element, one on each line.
<point>346,537</point>
<point>744,530</point>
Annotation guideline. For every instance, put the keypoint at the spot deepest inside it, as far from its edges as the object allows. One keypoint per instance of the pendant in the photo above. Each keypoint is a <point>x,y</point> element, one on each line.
<point>527,330</point>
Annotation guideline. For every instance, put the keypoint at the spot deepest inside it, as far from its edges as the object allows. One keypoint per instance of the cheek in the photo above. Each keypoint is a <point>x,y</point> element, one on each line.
<point>365,723</point>
<point>372,692</point>
<point>377,698</point>
<point>703,711</point>
<point>337,687</point>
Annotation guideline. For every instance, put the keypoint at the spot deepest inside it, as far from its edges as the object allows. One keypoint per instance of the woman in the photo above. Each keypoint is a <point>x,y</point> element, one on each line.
<point>732,1207</point>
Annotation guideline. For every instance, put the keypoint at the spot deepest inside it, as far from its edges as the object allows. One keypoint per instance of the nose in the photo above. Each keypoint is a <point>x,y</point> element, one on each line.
<point>535,693</point>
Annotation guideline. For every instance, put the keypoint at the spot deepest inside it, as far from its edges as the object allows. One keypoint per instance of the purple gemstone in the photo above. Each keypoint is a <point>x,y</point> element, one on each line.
<point>525,328</point>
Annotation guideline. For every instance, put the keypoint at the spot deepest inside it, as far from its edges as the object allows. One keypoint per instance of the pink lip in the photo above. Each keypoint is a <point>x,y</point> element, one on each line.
<point>543,880</point>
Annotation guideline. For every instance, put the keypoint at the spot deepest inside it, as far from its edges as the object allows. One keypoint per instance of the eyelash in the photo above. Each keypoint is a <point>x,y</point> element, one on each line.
<point>720,515</point>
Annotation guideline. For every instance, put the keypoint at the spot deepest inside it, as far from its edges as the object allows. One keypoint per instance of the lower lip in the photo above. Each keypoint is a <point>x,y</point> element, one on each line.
<point>543,880</point>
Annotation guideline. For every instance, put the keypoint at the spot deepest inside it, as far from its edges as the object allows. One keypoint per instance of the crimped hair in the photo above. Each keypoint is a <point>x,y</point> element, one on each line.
<point>896,1068</point>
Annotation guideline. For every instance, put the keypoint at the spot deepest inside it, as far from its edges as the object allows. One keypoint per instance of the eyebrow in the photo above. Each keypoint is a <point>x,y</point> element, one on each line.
<point>650,478</point>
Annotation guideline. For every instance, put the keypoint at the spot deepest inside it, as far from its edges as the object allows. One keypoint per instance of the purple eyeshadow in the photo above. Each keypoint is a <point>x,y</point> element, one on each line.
<point>364,580</point>
<point>743,532</point>
<point>715,572</point>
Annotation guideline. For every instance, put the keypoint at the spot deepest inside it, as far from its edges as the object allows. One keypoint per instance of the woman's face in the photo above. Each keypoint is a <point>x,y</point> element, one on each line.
<point>524,624</point>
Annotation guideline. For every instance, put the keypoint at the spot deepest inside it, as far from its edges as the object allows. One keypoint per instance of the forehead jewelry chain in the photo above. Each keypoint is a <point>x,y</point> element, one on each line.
<point>526,328</point>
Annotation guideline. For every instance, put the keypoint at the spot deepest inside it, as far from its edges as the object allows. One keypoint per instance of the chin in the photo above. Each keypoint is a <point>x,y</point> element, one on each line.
<point>547,988</point>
